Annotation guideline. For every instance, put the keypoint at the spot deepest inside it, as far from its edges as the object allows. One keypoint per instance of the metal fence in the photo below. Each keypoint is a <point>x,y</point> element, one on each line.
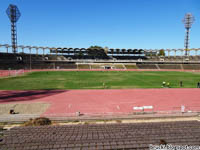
<point>8,73</point>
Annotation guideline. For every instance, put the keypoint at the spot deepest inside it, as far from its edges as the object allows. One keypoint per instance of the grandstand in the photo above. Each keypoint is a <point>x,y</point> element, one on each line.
<point>67,58</point>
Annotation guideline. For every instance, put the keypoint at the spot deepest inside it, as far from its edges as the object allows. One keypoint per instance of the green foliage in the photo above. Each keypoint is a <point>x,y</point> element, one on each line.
<point>95,80</point>
<point>80,54</point>
<point>97,52</point>
<point>41,121</point>
<point>95,47</point>
<point>161,52</point>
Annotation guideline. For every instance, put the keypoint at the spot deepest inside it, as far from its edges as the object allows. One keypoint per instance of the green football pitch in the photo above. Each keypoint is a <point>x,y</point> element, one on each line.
<point>99,80</point>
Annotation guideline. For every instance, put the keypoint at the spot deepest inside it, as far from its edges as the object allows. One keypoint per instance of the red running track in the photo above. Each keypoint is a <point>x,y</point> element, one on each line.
<point>122,101</point>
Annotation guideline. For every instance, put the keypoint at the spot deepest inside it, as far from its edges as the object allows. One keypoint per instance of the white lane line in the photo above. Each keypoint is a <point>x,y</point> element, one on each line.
<point>118,107</point>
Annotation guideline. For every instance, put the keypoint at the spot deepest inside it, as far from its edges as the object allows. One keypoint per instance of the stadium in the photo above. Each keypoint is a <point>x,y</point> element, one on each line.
<point>98,98</point>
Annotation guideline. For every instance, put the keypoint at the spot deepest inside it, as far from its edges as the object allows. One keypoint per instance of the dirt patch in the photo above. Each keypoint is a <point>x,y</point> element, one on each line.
<point>41,121</point>
<point>31,108</point>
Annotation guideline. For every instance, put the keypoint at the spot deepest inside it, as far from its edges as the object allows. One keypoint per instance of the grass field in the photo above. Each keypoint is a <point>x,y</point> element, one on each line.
<point>95,80</point>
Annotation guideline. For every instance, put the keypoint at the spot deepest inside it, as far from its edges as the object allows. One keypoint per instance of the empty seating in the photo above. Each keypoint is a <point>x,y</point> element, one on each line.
<point>63,65</point>
<point>131,66</point>
<point>34,61</point>
<point>101,137</point>
<point>191,66</point>
<point>147,66</point>
<point>169,66</point>
<point>83,66</point>
<point>119,66</point>
<point>96,66</point>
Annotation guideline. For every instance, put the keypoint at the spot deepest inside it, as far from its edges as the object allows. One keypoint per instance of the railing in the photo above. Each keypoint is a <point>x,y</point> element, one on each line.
<point>8,73</point>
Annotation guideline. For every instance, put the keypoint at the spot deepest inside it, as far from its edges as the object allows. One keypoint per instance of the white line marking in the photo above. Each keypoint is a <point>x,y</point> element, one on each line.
<point>69,106</point>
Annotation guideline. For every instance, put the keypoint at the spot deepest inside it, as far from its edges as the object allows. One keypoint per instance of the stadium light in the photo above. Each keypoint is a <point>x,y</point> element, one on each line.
<point>188,21</point>
<point>13,14</point>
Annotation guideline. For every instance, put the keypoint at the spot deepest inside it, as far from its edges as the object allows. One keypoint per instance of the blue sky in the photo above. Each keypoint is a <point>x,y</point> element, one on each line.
<point>145,24</point>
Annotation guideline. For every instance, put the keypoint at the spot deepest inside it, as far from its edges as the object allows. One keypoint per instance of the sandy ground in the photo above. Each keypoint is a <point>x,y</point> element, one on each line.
<point>31,108</point>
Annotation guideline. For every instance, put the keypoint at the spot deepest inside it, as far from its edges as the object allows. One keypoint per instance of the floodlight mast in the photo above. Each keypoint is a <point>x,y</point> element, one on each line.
<point>188,21</point>
<point>13,14</point>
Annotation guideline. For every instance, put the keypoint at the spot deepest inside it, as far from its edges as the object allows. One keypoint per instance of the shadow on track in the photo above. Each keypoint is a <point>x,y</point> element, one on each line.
<point>17,96</point>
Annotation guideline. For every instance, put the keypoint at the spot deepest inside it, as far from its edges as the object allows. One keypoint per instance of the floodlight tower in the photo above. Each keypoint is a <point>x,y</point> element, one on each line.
<point>13,14</point>
<point>188,21</point>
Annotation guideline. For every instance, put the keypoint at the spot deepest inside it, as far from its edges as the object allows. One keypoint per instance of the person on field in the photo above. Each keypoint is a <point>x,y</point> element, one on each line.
<point>182,109</point>
<point>181,83</point>
<point>168,84</point>
<point>198,85</point>
<point>163,84</point>
<point>104,85</point>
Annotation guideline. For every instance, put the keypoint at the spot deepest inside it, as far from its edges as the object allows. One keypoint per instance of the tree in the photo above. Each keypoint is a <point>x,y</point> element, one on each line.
<point>97,52</point>
<point>95,47</point>
<point>161,52</point>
